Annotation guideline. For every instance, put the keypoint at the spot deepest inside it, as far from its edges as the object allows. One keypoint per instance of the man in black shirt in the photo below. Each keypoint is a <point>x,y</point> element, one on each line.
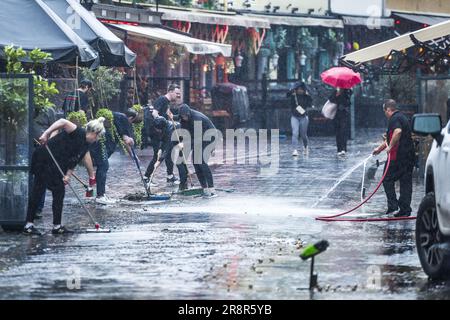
<point>400,146</point>
<point>162,104</point>
<point>78,100</point>
<point>69,147</point>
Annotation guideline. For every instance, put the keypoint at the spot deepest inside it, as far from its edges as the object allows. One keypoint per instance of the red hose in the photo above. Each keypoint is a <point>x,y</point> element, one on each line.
<point>332,218</point>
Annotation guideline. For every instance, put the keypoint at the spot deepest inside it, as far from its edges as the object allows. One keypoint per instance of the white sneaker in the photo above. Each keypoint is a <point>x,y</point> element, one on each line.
<point>295,153</point>
<point>105,200</point>
<point>151,184</point>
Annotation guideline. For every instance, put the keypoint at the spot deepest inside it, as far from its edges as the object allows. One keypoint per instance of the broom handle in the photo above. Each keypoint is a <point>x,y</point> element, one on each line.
<point>139,169</point>
<point>182,152</point>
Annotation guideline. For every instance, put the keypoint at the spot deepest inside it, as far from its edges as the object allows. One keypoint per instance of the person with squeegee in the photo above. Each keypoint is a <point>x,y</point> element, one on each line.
<point>161,141</point>
<point>61,152</point>
<point>189,119</point>
<point>102,150</point>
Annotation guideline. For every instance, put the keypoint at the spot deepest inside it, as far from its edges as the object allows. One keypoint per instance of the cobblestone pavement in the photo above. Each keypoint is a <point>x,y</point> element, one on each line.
<point>243,244</point>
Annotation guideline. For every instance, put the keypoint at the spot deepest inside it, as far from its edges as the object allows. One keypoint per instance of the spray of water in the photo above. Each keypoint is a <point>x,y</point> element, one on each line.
<point>341,179</point>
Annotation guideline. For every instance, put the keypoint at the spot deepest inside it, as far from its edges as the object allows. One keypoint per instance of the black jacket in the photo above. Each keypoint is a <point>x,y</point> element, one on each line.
<point>194,116</point>
<point>304,100</point>
<point>164,141</point>
<point>343,100</point>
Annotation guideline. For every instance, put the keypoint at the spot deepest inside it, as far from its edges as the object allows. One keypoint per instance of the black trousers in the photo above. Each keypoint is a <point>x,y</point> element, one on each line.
<point>151,165</point>
<point>43,181</point>
<point>341,125</point>
<point>399,171</point>
<point>182,168</point>
<point>203,171</point>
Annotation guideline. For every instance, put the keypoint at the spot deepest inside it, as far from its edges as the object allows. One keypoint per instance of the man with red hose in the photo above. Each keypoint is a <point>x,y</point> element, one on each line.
<point>400,145</point>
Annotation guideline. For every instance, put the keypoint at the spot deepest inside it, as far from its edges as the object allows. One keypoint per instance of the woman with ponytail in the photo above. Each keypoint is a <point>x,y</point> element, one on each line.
<point>69,147</point>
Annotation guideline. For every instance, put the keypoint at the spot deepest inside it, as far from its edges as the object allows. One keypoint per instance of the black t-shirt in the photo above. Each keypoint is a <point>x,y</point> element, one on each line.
<point>404,151</point>
<point>67,148</point>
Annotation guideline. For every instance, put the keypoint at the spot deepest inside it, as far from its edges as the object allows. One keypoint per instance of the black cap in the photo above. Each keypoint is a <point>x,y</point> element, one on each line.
<point>86,83</point>
<point>300,85</point>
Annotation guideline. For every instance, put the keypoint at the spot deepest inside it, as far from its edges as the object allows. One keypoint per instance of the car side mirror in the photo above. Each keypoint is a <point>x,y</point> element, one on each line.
<point>428,124</point>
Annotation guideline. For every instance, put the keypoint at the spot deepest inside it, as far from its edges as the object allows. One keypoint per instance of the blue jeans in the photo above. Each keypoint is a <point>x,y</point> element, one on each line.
<point>299,125</point>
<point>101,162</point>
<point>100,176</point>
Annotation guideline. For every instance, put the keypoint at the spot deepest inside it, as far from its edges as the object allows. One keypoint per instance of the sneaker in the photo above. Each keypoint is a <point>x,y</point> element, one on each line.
<point>173,179</point>
<point>31,231</point>
<point>105,200</point>
<point>210,195</point>
<point>402,214</point>
<point>390,210</point>
<point>182,187</point>
<point>151,184</point>
<point>295,153</point>
<point>62,230</point>
<point>306,151</point>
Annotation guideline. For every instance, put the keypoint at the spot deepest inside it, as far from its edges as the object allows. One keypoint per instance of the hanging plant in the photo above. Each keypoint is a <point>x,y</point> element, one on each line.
<point>110,128</point>
<point>280,38</point>
<point>77,117</point>
<point>137,127</point>
<point>306,42</point>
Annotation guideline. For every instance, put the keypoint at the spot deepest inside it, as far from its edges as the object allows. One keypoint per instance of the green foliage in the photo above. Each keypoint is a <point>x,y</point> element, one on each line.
<point>13,56</point>
<point>43,91</point>
<point>137,127</point>
<point>305,40</point>
<point>77,117</point>
<point>106,82</point>
<point>109,126</point>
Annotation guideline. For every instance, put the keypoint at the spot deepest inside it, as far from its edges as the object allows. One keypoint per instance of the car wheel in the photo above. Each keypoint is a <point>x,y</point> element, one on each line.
<point>430,241</point>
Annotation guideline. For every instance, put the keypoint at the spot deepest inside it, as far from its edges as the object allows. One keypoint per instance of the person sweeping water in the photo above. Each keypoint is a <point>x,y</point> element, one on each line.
<point>68,148</point>
<point>189,119</point>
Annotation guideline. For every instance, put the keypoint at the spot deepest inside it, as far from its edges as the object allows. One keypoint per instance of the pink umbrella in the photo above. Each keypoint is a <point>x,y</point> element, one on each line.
<point>341,77</point>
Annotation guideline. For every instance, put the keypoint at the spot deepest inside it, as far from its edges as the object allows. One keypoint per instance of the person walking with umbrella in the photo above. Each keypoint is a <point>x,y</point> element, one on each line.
<point>341,97</point>
<point>343,79</point>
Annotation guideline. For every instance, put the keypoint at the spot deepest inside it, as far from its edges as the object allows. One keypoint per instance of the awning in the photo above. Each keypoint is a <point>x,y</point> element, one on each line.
<point>32,24</point>
<point>299,21</point>
<point>193,45</point>
<point>383,49</point>
<point>211,18</point>
<point>420,18</point>
<point>367,21</point>
<point>112,50</point>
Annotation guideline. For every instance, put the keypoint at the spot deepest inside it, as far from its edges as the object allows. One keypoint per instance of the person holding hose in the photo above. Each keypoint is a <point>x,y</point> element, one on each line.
<point>400,146</point>
<point>69,147</point>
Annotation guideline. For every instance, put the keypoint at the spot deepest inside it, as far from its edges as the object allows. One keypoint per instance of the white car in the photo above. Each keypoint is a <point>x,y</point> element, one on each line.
<point>433,216</point>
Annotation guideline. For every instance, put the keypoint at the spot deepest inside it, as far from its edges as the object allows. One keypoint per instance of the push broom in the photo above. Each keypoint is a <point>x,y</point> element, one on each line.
<point>149,195</point>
